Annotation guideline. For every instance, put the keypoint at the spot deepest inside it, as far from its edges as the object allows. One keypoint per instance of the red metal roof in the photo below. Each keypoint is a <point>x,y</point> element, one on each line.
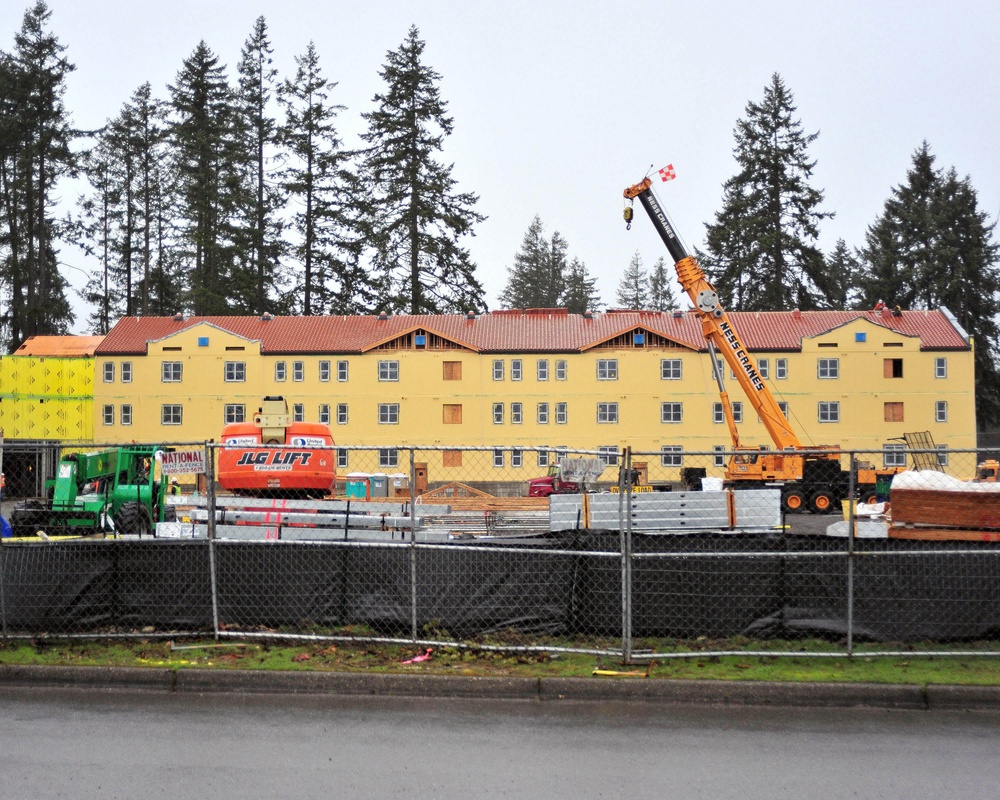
<point>542,330</point>
<point>59,346</point>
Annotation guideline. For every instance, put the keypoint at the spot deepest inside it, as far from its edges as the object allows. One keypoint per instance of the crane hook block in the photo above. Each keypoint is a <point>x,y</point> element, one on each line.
<point>628,218</point>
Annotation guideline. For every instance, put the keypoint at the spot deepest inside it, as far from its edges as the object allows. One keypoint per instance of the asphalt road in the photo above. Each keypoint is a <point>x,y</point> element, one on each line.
<point>90,744</point>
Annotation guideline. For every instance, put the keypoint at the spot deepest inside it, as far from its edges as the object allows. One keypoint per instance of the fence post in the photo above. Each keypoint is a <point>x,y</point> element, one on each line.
<point>625,526</point>
<point>210,506</point>
<point>3,588</point>
<point>413,545</point>
<point>851,527</point>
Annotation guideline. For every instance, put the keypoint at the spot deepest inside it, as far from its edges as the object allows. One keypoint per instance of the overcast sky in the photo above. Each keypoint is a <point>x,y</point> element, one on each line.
<point>558,106</point>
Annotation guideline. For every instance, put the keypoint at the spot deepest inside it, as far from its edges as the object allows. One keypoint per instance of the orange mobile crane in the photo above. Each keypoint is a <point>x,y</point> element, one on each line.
<point>811,476</point>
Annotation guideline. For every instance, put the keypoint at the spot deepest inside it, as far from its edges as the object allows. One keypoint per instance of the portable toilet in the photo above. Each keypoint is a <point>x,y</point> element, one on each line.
<point>358,485</point>
<point>380,484</point>
<point>399,485</point>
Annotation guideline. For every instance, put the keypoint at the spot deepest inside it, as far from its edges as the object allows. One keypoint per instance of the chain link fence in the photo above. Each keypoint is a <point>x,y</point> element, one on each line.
<point>654,554</point>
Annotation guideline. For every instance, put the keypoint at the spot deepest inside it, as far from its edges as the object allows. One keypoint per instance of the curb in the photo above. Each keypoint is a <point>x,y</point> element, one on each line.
<point>743,693</point>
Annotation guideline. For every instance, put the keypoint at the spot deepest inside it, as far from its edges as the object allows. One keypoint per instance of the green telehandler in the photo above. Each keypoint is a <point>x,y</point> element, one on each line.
<point>114,491</point>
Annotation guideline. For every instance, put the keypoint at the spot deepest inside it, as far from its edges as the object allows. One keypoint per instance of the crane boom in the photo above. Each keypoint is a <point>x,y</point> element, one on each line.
<point>715,323</point>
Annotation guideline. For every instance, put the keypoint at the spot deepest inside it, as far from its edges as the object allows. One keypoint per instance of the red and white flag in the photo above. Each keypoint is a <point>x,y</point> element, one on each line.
<point>667,173</point>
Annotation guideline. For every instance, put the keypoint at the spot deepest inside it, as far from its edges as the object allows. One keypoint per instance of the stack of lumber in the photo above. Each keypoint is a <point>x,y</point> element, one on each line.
<point>930,505</point>
<point>467,498</point>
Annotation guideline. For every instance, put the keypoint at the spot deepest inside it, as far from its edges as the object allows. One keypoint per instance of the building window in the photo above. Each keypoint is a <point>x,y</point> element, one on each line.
<point>719,457</point>
<point>670,369</point>
<point>388,370</point>
<point>942,455</point>
<point>388,414</point>
<point>388,457</point>
<point>451,413</point>
<point>829,412</point>
<point>671,412</point>
<point>607,369</point>
<point>299,412</point>
<point>894,455</point>
<point>516,413</point>
<point>298,371</point>
<point>498,369</point>
<point>893,412</point>
<point>784,408</point>
<point>940,368</point>
<point>607,413</point>
<point>280,371</point>
<point>324,371</point>
<point>341,413</point>
<point>171,414</point>
<point>543,414</point>
<point>561,370</point>
<point>171,371</point>
<point>764,368</point>
<point>562,413</point>
<point>324,413</point>
<point>517,458</point>
<point>670,455</point>
<point>498,460</point>
<point>828,368</point>
<point>126,415</point>
<point>236,371</point>
<point>892,368</point>
<point>941,411</point>
<point>719,415</point>
<point>109,415</point>
<point>342,459</point>
<point>516,369</point>
<point>543,458</point>
<point>498,413</point>
<point>608,454</point>
<point>341,371</point>
<point>542,369</point>
<point>235,412</point>
<point>780,369</point>
<point>452,370</point>
<point>109,371</point>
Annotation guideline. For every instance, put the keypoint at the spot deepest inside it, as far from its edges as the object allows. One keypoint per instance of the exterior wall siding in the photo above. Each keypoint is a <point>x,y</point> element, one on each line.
<point>422,392</point>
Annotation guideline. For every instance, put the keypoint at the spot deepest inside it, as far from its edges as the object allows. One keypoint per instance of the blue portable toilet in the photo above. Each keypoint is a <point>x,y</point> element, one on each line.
<point>359,485</point>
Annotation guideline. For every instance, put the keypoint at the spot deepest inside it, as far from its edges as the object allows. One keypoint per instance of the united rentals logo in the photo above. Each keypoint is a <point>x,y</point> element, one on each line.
<point>742,356</point>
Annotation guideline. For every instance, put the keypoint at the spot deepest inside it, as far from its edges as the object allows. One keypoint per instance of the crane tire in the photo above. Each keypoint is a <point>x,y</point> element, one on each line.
<point>793,501</point>
<point>821,502</point>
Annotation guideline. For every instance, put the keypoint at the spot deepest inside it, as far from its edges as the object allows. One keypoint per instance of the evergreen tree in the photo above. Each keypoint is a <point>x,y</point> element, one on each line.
<point>325,195</point>
<point>661,292</point>
<point>259,239</point>
<point>120,218</point>
<point>633,288</point>
<point>839,281</point>
<point>933,247</point>
<point>762,247</point>
<point>204,139</point>
<point>35,152</point>
<point>580,293</point>
<point>538,277</point>
<point>418,219</point>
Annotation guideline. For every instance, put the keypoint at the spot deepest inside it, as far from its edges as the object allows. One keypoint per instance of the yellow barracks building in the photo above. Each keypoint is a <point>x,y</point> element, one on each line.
<point>541,377</point>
